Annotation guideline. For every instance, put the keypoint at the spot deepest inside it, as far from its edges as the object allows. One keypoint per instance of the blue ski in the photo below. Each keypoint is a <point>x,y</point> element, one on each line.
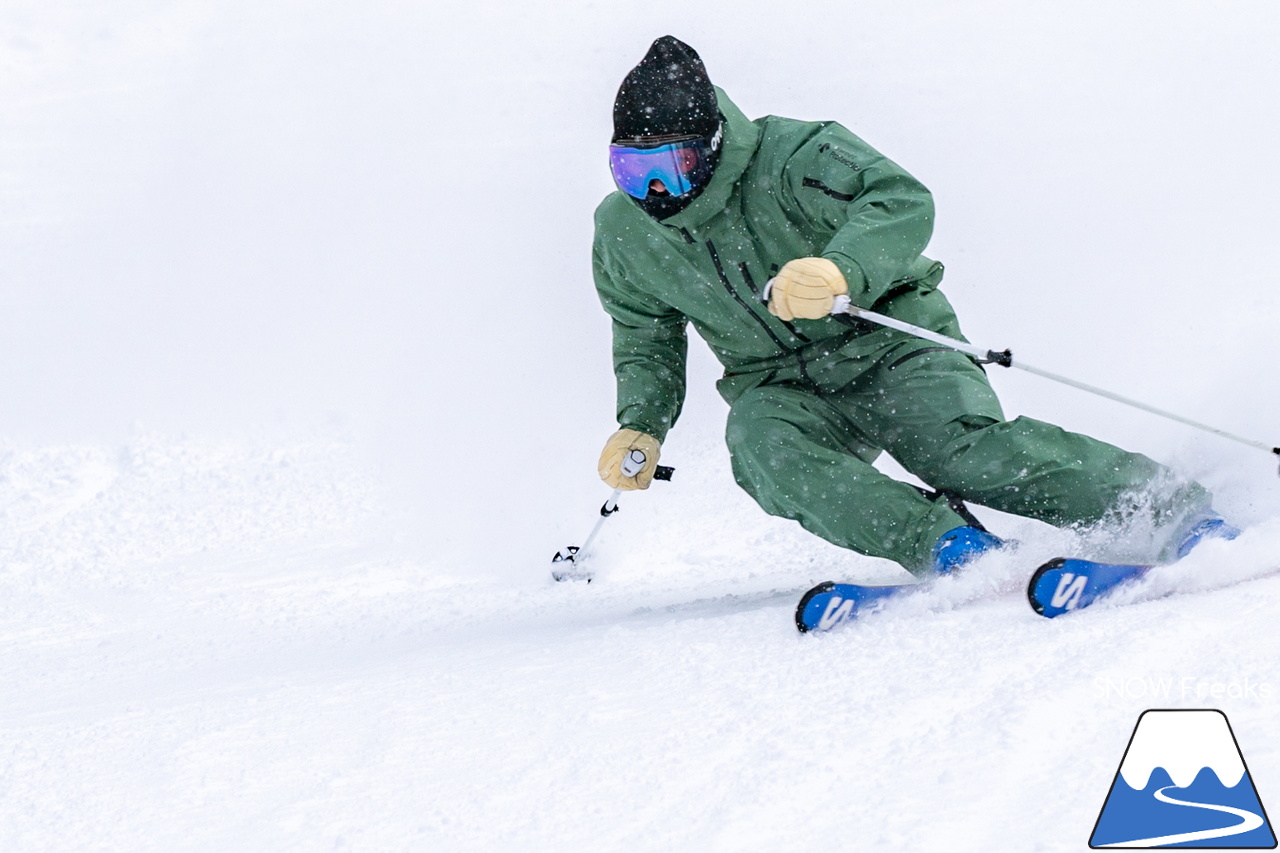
<point>1063,585</point>
<point>830,604</point>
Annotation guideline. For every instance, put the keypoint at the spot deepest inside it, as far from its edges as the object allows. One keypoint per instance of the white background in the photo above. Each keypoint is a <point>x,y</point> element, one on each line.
<point>302,380</point>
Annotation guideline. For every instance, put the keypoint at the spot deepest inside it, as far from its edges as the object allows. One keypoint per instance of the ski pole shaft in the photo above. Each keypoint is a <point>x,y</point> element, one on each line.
<point>609,508</point>
<point>1005,358</point>
<point>632,464</point>
<point>1138,404</point>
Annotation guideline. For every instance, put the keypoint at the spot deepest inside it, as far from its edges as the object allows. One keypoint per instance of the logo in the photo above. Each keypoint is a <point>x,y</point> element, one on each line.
<point>840,156</point>
<point>838,610</point>
<point>1183,782</point>
<point>1069,590</point>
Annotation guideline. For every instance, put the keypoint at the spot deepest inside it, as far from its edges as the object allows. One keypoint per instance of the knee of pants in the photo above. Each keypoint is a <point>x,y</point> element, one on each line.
<point>749,457</point>
<point>768,436</point>
<point>756,442</point>
<point>755,422</point>
<point>934,457</point>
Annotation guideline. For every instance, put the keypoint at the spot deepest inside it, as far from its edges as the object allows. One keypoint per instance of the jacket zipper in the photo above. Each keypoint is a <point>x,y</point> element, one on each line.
<point>724,279</point>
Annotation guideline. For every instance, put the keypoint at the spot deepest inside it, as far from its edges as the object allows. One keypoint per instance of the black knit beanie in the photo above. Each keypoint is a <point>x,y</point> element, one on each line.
<point>667,93</point>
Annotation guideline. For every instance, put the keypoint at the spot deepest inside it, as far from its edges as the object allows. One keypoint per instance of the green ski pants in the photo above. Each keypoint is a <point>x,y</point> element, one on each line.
<point>806,455</point>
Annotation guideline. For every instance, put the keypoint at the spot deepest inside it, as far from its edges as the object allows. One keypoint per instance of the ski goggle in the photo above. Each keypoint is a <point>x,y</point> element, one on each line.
<point>681,165</point>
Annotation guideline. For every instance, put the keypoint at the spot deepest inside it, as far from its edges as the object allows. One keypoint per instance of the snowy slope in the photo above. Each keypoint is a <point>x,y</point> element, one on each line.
<point>273,559</point>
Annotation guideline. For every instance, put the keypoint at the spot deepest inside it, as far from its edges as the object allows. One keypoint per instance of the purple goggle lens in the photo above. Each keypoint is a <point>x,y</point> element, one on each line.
<point>679,165</point>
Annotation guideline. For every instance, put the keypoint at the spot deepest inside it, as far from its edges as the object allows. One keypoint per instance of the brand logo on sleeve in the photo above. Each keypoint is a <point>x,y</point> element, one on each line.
<point>838,155</point>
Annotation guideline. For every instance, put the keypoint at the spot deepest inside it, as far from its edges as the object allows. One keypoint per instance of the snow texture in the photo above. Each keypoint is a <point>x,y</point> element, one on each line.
<point>304,378</point>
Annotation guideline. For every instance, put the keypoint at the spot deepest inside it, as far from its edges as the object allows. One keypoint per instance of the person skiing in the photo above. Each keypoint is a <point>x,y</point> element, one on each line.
<point>749,230</point>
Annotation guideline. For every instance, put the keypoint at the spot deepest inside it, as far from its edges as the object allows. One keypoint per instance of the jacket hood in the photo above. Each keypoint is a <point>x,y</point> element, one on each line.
<point>741,137</point>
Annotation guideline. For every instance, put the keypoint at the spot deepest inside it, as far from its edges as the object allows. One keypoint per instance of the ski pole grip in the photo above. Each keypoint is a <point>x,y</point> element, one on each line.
<point>633,463</point>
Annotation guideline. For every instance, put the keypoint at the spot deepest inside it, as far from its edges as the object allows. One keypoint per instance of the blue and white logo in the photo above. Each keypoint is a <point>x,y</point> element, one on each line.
<point>1183,783</point>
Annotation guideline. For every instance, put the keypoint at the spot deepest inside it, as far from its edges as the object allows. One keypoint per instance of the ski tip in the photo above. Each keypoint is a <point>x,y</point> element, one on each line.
<point>825,586</point>
<point>1037,604</point>
<point>1065,585</point>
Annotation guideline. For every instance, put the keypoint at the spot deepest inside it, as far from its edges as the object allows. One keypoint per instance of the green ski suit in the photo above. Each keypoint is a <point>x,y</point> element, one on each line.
<point>813,402</point>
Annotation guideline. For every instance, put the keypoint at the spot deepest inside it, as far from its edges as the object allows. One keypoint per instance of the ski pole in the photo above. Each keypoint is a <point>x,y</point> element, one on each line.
<point>1004,358</point>
<point>574,555</point>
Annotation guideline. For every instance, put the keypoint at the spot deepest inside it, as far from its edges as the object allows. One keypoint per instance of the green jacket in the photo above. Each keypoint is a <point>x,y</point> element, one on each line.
<point>783,189</point>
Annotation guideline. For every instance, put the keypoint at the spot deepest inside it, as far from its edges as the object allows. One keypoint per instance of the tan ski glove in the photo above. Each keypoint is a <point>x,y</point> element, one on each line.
<point>805,289</point>
<point>616,452</point>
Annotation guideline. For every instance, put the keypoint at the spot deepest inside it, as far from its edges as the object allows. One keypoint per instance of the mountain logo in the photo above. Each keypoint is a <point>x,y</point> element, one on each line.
<point>1183,783</point>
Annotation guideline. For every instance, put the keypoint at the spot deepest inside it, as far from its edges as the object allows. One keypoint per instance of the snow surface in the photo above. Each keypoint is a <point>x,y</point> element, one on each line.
<point>303,381</point>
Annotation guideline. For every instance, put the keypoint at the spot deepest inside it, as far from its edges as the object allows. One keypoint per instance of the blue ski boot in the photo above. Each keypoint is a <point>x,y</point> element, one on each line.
<point>961,546</point>
<point>1212,527</point>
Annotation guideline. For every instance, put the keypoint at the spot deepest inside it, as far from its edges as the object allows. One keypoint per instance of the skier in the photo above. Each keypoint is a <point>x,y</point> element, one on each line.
<point>748,230</point>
